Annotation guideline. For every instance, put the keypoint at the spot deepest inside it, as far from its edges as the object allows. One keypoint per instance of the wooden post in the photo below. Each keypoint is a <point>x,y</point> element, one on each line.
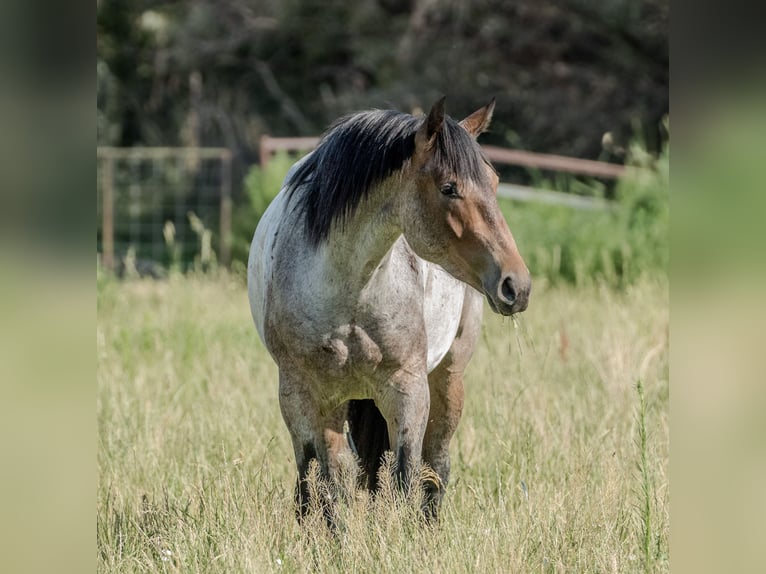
<point>265,150</point>
<point>107,213</point>
<point>225,231</point>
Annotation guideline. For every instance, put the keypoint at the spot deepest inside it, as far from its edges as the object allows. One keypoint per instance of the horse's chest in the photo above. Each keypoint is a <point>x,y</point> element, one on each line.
<point>412,330</point>
<point>349,353</point>
<point>349,350</point>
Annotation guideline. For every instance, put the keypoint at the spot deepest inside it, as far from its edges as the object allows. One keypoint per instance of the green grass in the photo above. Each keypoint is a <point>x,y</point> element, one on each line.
<point>558,464</point>
<point>645,504</point>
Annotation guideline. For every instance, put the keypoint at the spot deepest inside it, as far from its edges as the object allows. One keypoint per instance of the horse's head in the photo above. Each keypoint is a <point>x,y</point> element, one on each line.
<point>451,215</point>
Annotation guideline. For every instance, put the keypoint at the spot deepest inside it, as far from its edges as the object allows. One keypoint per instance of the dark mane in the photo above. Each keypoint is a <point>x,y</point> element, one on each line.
<point>361,150</point>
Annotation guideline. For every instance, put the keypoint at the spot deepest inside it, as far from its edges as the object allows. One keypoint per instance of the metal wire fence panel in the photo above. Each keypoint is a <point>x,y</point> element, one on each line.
<point>163,206</point>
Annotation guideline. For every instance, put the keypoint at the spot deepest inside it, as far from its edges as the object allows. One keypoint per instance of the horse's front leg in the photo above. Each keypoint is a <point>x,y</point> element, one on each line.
<point>404,404</point>
<point>446,385</point>
<point>314,437</point>
<point>446,407</point>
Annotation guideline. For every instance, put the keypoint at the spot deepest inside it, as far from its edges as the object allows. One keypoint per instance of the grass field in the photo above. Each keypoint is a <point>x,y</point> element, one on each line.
<point>560,463</point>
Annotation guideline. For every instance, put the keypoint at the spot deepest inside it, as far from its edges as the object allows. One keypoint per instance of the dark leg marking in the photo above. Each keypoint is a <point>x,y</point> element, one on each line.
<point>301,488</point>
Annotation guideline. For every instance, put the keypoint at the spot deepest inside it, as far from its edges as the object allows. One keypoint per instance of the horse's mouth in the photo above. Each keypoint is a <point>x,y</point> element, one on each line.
<point>502,308</point>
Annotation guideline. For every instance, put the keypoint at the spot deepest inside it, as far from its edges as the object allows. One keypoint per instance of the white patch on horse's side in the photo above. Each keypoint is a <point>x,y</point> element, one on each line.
<point>442,307</point>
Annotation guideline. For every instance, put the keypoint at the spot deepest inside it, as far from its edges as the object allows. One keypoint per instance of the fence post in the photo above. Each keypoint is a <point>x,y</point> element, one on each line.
<point>225,247</point>
<point>265,150</point>
<point>107,213</point>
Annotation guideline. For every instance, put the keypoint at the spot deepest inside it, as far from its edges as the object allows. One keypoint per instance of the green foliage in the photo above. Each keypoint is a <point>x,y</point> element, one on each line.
<point>616,246</point>
<point>261,187</point>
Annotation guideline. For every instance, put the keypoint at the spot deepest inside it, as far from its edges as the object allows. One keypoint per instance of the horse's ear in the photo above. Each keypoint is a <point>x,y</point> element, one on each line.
<point>478,122</point>
<point>432,125</point>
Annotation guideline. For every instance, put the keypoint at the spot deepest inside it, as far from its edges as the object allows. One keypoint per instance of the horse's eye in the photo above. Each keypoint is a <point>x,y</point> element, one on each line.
<point>450,189</point>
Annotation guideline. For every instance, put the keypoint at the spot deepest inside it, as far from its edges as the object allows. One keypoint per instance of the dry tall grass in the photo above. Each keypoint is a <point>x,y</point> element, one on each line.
<point>551,472</point>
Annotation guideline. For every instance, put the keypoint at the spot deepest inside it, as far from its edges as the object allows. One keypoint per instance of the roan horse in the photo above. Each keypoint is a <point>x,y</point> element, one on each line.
<point>365,280</point>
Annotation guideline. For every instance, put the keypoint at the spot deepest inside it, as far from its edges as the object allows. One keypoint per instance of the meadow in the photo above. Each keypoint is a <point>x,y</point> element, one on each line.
<point>560,462</point>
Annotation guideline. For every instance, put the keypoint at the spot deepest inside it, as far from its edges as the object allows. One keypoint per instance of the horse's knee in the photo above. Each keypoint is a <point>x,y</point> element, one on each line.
<point>405,405</point>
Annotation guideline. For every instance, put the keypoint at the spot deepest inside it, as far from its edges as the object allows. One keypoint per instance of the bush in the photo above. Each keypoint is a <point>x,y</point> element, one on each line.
<point>261,187</point>
<point>617,246</point>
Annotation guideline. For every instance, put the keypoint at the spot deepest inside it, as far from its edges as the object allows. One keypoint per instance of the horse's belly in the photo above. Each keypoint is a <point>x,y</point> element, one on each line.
<point>442,308</point>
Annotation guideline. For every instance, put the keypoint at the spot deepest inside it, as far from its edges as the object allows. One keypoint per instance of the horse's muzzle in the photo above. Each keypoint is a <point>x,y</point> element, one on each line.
<point>512,295</point>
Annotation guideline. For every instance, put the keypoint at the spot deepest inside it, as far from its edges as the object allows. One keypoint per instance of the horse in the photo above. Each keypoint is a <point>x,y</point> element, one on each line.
<point>366,280</point>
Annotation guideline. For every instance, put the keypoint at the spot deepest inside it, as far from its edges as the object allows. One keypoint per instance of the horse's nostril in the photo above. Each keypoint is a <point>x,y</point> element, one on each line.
<point>507,291</point>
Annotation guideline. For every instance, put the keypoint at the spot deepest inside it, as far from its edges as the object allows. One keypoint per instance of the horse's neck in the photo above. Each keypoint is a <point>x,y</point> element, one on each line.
<point>366,237</point>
